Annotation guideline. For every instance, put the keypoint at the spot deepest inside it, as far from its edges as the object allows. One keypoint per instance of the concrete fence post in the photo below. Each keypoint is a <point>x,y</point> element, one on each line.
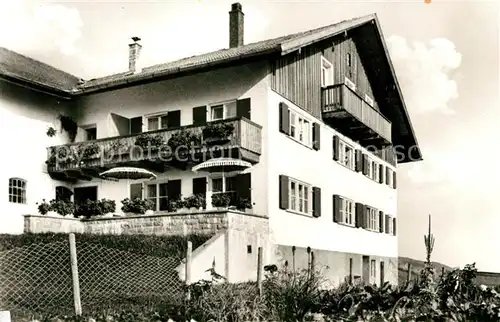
<point>259,270</point>
<point>74,275</point>
<point>189,254</point>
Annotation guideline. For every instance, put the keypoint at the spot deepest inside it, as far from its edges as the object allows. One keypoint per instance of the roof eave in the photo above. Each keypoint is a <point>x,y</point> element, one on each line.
<point>149,77</point>
<point>36,86</point>
<point>418,157</point>
<point>295,44</point>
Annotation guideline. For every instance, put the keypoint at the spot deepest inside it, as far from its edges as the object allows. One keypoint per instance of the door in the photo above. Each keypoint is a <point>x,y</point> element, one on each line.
<point>83,194</point>
<point>365,273</point>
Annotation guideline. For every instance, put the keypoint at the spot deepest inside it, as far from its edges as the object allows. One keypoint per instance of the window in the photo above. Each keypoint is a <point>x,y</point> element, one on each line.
<point>300,197</point>
<point>388,177</point>
<point>157,122</point>
<point>390,225</point>
<point>372,219</point>
<point>91,134</point>
<point>157,192</point>
<point>374,173</point>
<point>223,111</point>
<point>369,100</point>
<point>347,211</point>
<point>369,168</point>
<point>300,128</point>
<point>326,72</point>
<point>349,60</point>
<point>373,268</point>
<point>228,185</point>
<point>350,84</point>
<point>346,157</point>
<point>63,193</point>
<point>17,190</point>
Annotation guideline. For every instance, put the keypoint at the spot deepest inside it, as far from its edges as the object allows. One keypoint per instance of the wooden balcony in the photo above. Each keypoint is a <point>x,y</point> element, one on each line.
<point>347,112</point>
<point>85,160</point>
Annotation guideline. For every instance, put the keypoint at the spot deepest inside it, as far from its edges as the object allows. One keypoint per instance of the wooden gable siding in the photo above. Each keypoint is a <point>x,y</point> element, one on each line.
<point>297,76</point>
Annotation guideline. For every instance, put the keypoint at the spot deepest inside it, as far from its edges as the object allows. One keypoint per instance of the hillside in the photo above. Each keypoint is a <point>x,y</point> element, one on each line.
<point>416,267</point>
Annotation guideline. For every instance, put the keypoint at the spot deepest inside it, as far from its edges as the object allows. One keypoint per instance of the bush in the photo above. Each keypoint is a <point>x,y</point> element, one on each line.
<point>137,206</point>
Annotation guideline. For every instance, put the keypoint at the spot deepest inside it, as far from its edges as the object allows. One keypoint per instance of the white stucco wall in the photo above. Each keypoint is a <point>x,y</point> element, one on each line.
<point>288,157</point>
<point>247,81</point>
<point>25,117</point>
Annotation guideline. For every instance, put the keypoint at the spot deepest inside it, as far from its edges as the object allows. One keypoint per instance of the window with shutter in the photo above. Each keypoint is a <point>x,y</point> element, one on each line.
<point>223,110</point>
<point>243,108</point>
<point>300,196</point>
<point>284,119</point>
<point>302,130</point>
<point>381,221</point>
<point>346,155</point>
<point>200,115</point>
<point>359,161</point>
<point>316,201</point>
<point>347,210</point>
<point>316,136</point>
<point>372,221</point>
<point>283,191</point>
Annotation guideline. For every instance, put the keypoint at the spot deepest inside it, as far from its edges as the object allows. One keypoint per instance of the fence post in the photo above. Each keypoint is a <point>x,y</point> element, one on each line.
<point>74,274</point>
<point>259,270</point>
<point>188,267</point>
<point>313,263</point>
<point>409,273</point>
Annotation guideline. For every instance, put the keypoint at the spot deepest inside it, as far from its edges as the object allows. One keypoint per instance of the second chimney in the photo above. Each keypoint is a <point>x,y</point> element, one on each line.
<point>134,51</point>
<point>235,26</point>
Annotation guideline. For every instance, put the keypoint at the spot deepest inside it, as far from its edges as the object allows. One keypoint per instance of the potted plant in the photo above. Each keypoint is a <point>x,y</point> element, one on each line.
<point>62,207</point>
<point>89,151</point>
<point>195,202</point>
<point>44,207</point>
<point>108,207</point>
<point>180,142</point>
<point>146,141</point>
<point>217,132</point>
<point>137,206</point>
<point>242,204</point>
<point>221,200</point>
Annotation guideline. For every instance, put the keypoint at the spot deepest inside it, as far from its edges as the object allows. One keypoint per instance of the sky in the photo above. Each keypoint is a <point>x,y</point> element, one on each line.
<point>446,59</point>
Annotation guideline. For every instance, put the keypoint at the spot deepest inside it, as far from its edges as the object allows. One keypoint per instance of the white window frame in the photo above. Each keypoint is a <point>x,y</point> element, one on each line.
<point>300,128</point>
<point>346,155</point>
<point>157,198</point>
<point>17,190</point>
<point>374,170</point>
<point>369,100</point>
<point>347,211</point>
<point>158,117</point>
<point>224,183</point>
<point>350,84</point>
<point>298,202</point>
<point>327,71</point>
<point>225,110</point>
<point>372,219</point>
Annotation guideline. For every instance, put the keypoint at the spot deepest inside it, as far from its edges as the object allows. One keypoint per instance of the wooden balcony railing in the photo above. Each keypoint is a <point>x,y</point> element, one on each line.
<point>246,136</point>
<point>340,98</point>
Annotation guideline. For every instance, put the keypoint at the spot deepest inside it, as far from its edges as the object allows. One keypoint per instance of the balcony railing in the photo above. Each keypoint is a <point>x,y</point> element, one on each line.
<point>246,137</point>
<point>339,99</point>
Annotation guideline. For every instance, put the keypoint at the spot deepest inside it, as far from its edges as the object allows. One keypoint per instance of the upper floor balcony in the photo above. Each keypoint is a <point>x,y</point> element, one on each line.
<point>349,113</point>
<point>177,147</point>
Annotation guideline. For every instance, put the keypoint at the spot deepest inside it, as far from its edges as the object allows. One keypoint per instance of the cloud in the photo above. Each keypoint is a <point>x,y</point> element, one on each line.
<point>425,73</point>
<point>33,27</point>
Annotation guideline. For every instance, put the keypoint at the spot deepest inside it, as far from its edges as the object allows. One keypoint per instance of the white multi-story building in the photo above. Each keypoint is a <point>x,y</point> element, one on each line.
<point>318,114</point>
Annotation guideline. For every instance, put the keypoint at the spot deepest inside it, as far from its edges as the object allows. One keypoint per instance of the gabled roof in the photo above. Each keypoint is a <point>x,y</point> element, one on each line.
<point>19,68</point>
<point>365,31</point>
<point>224,56</point>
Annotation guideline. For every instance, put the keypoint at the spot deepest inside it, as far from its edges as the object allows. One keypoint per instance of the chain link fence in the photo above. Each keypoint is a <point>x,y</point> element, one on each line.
<point>39,279</point>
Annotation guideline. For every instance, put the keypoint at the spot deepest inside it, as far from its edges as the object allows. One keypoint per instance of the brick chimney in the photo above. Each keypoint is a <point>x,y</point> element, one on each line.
<point>134,51</point>
<point>236,25</point>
